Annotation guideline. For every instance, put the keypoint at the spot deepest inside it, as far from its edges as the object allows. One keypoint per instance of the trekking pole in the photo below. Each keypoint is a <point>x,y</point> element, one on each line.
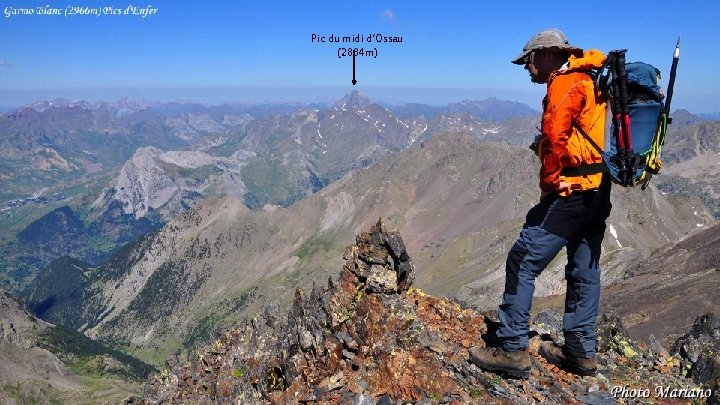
<point>617,159</point>
<point>671,83</point>
<point>617,105</point>
<point>616,102</point>
<point>628,155</point>
<point>621,114</point>
<point>624,110</point>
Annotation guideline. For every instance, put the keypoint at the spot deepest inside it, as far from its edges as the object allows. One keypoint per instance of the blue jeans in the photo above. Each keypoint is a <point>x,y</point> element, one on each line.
<point>578,222</point>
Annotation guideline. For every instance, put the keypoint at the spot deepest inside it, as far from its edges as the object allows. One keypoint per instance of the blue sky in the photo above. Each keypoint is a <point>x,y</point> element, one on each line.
<point>262,50</point>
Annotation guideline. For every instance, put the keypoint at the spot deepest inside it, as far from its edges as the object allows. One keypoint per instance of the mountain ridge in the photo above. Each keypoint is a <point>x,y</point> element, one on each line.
<point>672,271</point>
<point>45,363</point>
<point>459,200</point>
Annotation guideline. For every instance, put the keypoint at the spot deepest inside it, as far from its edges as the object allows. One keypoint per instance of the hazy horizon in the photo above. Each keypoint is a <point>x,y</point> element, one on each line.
<point>217,95</point>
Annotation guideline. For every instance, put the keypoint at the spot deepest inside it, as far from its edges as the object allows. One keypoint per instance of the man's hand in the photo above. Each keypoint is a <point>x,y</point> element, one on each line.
<point>535,146</point>
<point>564,185</point>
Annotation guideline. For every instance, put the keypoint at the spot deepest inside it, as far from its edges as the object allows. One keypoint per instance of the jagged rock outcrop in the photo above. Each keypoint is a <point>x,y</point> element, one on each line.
<point>699,352</point>
<point>368,338</point>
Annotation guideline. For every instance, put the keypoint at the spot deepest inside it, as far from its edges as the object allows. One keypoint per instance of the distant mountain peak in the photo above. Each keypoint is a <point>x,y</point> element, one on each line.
<point>684,118</point>
<point>356,99</point>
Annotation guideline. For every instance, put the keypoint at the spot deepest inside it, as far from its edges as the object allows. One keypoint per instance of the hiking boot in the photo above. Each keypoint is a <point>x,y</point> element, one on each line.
<point>516,364</point>
<point>554,354</point>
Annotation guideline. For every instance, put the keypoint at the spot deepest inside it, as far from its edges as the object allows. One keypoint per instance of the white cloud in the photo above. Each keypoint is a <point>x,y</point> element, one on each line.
<point>388,14</point>
<point>7,63</point>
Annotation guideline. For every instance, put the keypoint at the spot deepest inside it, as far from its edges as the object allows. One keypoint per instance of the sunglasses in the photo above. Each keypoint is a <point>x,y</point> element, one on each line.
<point>528,59</point>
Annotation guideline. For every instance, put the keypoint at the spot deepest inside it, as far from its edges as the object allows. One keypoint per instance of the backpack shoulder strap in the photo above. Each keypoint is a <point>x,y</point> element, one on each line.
<point>590,168</point>
<point>587,138</point>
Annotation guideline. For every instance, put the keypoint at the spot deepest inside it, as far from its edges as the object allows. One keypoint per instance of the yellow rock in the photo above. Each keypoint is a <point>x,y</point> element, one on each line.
<point>626,350</point>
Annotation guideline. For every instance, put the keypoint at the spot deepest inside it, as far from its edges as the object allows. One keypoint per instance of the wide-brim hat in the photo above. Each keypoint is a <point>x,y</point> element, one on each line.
<point>551,38</point>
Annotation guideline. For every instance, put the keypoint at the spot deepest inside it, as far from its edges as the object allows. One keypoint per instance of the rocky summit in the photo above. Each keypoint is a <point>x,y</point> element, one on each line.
<point>369,338</point>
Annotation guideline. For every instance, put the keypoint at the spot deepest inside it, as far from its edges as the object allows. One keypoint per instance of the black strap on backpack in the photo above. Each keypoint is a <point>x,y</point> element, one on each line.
<point>590,168</point>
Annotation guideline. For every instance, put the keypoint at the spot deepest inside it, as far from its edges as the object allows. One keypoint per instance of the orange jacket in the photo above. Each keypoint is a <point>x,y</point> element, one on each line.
<point>571,101</point>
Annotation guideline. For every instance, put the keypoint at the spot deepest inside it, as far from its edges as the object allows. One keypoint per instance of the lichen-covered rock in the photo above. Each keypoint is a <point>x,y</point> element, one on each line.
<point>382,280</point>
<point>700,353</point>
<point>405,274</point>
<point>548,324</point>
<point>612,336</point>
<point>381,247</point>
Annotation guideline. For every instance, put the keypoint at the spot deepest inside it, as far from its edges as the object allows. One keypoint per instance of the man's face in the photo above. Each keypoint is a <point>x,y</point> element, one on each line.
<point>534,66</point>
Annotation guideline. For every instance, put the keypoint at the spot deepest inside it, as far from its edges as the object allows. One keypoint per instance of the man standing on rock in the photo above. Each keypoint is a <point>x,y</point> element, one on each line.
<point>572,211</point>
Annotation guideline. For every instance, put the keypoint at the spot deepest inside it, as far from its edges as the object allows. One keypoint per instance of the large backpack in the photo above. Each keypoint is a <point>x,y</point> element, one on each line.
<point>640,118</point>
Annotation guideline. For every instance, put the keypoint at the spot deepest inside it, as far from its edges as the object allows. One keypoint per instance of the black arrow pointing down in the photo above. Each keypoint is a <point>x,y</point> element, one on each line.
<point>354,82</point>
